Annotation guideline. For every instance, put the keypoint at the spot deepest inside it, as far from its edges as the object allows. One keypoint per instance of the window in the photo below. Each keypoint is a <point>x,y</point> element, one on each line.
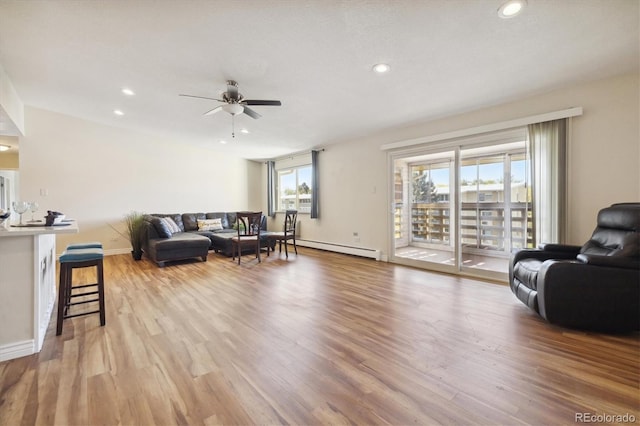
<point>294,189</point>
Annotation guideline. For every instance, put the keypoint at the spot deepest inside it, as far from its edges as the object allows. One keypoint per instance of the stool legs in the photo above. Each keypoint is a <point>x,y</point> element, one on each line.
<point>62,298</point>
<point>100,280</point>
<point>65,291</point>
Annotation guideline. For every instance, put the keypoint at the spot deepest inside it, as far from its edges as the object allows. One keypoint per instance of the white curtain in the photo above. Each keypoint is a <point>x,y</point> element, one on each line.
<point>547,150</point>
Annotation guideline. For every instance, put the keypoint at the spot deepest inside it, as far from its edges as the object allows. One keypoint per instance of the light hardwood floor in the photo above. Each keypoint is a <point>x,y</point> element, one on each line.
<point>321,338</point>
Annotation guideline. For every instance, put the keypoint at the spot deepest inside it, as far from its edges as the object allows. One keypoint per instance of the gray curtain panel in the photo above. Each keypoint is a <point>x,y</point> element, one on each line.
<point>271,173</point>
<point>315,212</point>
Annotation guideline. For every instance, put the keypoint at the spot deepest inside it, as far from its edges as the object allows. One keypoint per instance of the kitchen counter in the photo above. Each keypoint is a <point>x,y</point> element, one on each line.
<point>27,286</point>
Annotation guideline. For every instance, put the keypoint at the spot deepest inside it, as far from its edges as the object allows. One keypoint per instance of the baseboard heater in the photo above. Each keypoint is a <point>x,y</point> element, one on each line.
<point>340,248</point>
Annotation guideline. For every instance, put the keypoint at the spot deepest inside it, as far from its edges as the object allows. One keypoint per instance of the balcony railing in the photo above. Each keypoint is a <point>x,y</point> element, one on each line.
<point>487,226</point>
<point>430,223</point>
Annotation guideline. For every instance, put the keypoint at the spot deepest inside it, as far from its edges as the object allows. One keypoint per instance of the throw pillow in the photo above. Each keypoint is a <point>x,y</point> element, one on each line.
<point>161,227</point>
<point>172,225</point>
<point>209,224</point>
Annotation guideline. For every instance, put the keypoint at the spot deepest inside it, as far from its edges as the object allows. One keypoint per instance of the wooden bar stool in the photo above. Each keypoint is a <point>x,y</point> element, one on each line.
<point>73,258</point>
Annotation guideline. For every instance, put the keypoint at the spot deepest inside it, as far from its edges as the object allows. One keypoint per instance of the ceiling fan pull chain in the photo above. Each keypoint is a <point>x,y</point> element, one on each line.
<point>233,126</point>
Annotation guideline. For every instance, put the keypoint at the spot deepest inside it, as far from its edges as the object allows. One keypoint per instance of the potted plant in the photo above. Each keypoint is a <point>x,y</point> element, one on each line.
<point>135,222</point>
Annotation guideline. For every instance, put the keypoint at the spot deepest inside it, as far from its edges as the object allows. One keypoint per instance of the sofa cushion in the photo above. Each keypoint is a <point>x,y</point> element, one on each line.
<point>177,218</point>
<point>181,241</point>
<point>183,245</point>
<point>190,220</point>
<point>210,224</point>
<point>161,227</point>
<point>222,216</point>
<point>225,234</point>
<point>173,227</point>
<point>231,219</point>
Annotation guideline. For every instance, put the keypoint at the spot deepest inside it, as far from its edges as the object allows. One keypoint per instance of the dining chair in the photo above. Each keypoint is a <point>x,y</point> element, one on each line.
<point>288,233</point>
<point>248,225</point>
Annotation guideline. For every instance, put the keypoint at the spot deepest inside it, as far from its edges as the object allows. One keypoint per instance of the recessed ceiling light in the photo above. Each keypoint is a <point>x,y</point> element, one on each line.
<point>223,142</point>
<point>118,112</point>
<point>4,147</point>
<point>511,8</point>
<point>245,131</point>
<point>381,68</point>
<point>128,92</point>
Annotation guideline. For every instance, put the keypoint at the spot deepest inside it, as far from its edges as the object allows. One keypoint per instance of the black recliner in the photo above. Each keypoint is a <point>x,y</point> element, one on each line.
<point>596,286</point>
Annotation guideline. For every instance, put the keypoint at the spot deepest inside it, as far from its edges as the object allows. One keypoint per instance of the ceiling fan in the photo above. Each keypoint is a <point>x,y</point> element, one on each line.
<point>235,103</point>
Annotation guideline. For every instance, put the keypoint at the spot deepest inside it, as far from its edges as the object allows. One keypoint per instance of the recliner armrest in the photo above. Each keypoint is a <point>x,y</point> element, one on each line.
<point>542,255</point>
<point>563,248</point>
<point>609,261</point>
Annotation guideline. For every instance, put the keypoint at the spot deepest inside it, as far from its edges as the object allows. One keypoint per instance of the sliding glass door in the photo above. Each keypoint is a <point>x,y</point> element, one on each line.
<point>495,205</point>
<point>463,209</point>
<point>424,223</point>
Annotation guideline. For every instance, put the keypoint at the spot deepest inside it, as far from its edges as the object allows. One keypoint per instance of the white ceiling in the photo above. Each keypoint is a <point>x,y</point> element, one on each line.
<point>447,57</point>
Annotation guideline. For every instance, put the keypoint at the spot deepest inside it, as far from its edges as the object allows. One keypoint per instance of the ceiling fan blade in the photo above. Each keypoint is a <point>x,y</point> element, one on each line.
<point>232,89</point>
<point>259,102</point>
<point>201,97</point>
<point>213,111</point>
<point>251,113</point>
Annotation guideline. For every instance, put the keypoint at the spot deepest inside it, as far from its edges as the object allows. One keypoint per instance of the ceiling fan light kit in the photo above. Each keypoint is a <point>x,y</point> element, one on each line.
<point>233,109</point>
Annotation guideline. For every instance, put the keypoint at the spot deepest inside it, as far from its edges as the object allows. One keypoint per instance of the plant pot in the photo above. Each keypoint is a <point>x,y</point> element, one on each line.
<point>137,254</point>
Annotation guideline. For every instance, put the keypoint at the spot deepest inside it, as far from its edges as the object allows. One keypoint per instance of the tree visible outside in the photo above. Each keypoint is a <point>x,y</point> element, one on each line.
<point>304,188</point>
<point>294,188</point>
<point>424,190</point>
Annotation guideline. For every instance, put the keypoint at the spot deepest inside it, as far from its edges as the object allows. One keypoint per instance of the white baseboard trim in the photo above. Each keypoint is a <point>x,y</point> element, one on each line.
<point>341,248</point>
<point>16,350</point>
<point>338,248</point>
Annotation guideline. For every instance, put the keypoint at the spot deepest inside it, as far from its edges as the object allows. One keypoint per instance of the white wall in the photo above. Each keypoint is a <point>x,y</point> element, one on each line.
<point>96,174</point>
<point>11,103</point>
<point>256,190</point>
<point>604,162</point>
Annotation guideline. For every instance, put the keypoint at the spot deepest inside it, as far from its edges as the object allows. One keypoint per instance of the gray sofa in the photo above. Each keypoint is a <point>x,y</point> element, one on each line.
<point>161,244</point>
